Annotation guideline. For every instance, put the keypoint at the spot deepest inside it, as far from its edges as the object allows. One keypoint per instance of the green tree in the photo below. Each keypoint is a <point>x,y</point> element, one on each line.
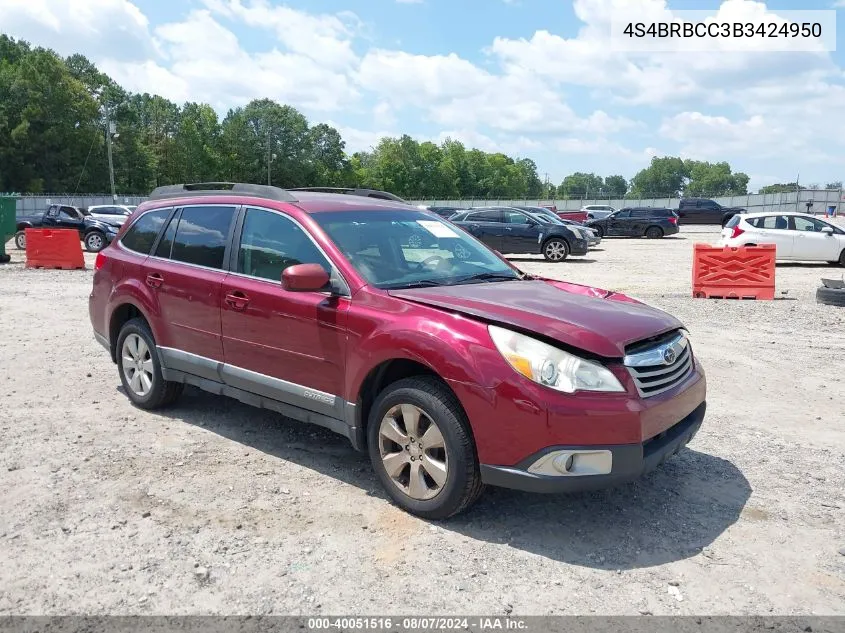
<point>616,186</point>
<point>713,179</point>
<point>665,176</point>
<point>836,184</point>
<point>779,188</point>
<point>581,185</point>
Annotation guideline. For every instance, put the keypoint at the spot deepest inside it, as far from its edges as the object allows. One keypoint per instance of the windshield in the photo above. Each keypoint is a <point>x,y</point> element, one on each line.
<point>405,249</point>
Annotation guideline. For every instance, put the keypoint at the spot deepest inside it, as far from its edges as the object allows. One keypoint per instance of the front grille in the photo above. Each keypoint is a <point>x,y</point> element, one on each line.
<point>662,366</point>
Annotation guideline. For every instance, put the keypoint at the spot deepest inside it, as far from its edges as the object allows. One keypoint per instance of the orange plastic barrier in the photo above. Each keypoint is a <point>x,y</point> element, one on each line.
<point>53,248</point>
<point>745,272</point>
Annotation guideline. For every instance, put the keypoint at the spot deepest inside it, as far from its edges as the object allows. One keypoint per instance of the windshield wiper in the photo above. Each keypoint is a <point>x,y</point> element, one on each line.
<point>489,277</point>
<point>420,283</point>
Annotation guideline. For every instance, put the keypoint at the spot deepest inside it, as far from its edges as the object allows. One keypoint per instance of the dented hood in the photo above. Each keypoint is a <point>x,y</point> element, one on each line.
<point>594,320</point>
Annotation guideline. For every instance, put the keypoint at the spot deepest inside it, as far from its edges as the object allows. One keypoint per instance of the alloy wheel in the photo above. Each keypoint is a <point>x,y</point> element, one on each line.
<point>137,362</point>
<point>413,451</point>
<point>94,242</point>
<point>555,250</point>
<point>20,240</point>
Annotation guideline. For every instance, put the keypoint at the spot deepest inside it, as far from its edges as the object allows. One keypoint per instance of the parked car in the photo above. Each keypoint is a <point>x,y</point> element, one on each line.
<point>578,216</point>
<point>597,211</point>
<point>451,372</point>
<point>116,212</point>
<point>796,236</point>
<point>445,212</point>
<point>96,232</point>
<point>637,222</point>
<point>705,211</point>
<point>510,230</point>
<point>546,214</point>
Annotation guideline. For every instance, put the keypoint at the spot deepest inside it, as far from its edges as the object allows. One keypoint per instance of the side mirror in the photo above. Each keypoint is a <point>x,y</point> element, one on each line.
<point>827,230</point>
<point>304,278</point>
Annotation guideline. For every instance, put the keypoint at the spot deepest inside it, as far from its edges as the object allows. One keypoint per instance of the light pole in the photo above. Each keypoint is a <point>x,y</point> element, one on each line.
<point>111,133</point>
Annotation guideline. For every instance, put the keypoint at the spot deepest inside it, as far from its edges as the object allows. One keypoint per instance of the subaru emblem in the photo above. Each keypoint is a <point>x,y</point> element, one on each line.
<point>668,356</point>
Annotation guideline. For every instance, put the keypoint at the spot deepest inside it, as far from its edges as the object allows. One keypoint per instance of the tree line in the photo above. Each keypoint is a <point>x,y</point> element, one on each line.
<point>53,124</point>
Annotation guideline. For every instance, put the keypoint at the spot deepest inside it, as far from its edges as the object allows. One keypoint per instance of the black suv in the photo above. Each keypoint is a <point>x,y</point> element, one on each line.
<point>705,211</point>
<point>510,230</point>
<point>637,222</point>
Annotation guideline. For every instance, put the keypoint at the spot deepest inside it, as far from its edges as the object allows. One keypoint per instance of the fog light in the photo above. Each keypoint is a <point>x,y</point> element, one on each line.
<point>574,463</point>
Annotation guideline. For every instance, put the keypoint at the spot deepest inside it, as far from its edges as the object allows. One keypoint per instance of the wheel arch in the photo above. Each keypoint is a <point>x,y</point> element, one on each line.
<point>122,313</point>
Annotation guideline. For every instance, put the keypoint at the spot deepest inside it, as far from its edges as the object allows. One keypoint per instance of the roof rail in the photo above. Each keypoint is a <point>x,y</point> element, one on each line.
<point>353,191</point>
<point>221,188</point>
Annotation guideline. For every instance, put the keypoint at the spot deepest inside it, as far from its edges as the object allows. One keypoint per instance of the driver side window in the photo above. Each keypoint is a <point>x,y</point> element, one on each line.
<point>807,224</point>
<point>270,242</point>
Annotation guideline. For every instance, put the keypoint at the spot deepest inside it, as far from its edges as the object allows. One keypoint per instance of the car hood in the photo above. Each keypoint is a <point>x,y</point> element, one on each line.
<point>598,321</point>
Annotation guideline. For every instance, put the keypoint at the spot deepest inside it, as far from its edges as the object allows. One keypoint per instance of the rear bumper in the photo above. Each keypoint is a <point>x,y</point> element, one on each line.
<point>629,461</point>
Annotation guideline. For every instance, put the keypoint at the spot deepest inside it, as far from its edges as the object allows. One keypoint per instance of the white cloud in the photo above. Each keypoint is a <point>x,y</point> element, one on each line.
<point>325,38</point>
<point>116,29</point>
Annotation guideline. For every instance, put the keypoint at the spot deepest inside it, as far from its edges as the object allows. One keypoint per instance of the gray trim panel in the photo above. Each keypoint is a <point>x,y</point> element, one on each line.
<point>291,399</point>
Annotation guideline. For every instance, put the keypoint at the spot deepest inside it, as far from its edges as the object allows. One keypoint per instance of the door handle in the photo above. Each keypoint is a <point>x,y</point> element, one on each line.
<point>154,280</point>
<point>237,300</point>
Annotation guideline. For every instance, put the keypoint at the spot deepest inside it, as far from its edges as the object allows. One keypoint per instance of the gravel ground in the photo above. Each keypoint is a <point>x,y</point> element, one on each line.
<point>216,508</point>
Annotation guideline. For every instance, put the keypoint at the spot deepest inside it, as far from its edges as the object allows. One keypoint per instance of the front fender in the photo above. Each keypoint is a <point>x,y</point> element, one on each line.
<point>455,347</point>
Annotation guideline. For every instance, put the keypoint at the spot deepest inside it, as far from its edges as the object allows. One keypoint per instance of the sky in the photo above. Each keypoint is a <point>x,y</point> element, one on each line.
<point>531,78</point>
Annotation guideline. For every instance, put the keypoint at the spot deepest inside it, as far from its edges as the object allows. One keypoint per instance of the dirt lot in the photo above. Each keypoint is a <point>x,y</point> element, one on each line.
<point>214,507</point>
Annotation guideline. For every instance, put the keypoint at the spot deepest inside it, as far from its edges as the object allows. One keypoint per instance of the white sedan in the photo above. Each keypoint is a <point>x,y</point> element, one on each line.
<point>796,236</point>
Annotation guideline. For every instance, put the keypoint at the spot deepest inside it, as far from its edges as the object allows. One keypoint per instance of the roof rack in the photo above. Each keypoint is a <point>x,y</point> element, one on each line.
<point>353,191</point>
<point>221,188</point>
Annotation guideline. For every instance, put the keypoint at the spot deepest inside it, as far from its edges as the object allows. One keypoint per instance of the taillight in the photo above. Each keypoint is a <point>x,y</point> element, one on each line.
<point>736,232</point>
<point>673,220</point>
<point>101,259</point>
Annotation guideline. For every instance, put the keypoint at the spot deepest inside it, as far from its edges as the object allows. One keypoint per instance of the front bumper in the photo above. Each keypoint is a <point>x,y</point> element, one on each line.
<point>579,247</point>
<point>629,461</point>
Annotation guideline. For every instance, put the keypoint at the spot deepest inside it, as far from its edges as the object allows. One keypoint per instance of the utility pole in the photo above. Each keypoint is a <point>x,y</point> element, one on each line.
<point>110,130</point>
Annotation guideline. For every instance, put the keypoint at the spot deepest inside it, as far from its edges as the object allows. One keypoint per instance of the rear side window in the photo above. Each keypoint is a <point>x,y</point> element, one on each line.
<point>202,235</point>
<point>143,232</point>
<point>733,222</point>
<point>779,222</point>
<point>493,215</point>
<point>165,245</point>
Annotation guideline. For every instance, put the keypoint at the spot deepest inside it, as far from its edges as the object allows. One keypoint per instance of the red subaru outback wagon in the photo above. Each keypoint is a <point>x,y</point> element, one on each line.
<point>448,365</point>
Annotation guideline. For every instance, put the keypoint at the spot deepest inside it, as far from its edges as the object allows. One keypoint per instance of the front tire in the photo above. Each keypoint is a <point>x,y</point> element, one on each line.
<point>422,448</point>
<point>599,230</point>
<point>20,240</point>
<point>140,370</point>
<point>95,241</point>
<point>555,249</point>
<point>654,232</point>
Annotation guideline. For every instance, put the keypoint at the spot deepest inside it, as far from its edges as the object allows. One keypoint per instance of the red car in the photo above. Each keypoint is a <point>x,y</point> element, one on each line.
<point>448,365</point>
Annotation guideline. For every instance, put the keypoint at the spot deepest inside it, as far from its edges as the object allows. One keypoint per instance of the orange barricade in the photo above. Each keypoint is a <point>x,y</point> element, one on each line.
<point>745,272</point>
<point>53,248</point>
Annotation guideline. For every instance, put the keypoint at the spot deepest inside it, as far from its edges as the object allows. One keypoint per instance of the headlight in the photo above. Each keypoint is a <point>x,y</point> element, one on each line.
<point>112,229</point>
<point>550,366</point>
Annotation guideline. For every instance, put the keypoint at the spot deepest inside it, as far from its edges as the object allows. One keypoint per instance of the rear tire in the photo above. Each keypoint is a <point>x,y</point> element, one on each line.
<point>654,232</point>
<point>140,370</point>
<point>20,240</point>
<point>842,258</point>
<point>411,410</point>
<point>598,230</point>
